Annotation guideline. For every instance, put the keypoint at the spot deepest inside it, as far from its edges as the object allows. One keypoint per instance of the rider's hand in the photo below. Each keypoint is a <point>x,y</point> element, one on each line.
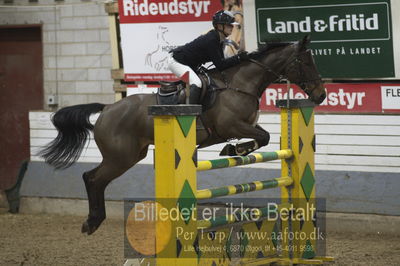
<point>243,56</point>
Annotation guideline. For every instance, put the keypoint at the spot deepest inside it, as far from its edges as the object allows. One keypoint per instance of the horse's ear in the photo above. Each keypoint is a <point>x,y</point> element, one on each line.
<point>303,44</point>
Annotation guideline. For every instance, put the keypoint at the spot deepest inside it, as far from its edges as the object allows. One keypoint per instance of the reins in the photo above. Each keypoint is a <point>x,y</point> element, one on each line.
<point>266,68</point>
<point>280,78</point>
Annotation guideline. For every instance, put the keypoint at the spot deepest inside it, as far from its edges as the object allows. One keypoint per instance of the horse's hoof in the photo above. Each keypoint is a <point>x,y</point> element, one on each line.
<point>241,152</point>
<point>228,150</point>
<point>86,228</point>
<point>244,149</point>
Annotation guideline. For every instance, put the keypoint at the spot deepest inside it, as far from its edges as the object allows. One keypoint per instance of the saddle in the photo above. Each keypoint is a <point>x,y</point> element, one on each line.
<point>172,93</point>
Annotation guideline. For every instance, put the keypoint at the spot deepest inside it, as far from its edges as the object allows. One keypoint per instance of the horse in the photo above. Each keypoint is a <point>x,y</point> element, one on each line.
<point>124,130</point>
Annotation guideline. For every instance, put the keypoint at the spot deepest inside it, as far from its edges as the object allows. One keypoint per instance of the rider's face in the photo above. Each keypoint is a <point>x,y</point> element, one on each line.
<point>227,29</point>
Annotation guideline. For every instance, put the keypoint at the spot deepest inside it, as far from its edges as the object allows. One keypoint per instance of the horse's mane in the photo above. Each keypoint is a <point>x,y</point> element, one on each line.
<point>261,51</point>
<point>267,48</point>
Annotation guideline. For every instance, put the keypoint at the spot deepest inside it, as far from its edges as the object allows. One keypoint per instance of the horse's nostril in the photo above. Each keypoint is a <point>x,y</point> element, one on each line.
<point>322,98</point>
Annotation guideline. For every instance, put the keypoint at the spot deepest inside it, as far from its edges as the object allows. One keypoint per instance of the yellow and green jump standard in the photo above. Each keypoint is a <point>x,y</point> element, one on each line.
<point>176,166</point>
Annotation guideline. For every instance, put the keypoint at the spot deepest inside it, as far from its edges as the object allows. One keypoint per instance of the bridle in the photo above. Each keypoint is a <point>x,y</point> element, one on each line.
<point>297,62</point>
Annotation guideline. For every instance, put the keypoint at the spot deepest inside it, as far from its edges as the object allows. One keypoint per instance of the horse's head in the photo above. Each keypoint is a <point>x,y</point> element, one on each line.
<point>302,71</point>
<point>291,61</point>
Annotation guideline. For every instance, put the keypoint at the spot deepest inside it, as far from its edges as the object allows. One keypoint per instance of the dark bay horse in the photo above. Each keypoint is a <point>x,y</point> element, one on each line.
<point>124,130</point>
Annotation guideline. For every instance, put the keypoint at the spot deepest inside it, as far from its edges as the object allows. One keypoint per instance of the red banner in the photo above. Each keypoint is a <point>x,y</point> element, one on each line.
<point>155,11</point>
<point>342,97</point>
<point>150,77</point>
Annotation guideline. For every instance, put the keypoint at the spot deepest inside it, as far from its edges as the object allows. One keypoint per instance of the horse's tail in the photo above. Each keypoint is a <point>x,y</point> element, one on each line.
<point>73,128</point>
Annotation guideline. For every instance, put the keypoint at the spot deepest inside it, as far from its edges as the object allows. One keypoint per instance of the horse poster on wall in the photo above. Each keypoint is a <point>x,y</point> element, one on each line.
<point>151,28</point>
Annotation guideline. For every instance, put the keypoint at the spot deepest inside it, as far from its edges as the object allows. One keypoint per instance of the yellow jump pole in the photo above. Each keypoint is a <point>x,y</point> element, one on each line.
<point>297,134</point>
<point>175,180</point>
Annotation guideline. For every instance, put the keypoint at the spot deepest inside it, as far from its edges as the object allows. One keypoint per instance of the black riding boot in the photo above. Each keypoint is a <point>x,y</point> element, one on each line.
<point>195,94</point>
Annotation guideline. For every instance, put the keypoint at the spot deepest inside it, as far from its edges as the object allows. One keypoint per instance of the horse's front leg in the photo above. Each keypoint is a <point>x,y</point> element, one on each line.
<point>242,130</point>
<point>250,146</point>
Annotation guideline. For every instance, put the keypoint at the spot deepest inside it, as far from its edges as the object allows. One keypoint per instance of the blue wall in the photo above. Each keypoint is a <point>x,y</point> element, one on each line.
<point>344,191</point>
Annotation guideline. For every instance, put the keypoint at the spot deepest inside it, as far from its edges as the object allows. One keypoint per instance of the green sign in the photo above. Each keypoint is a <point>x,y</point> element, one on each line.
<point>350,38</point>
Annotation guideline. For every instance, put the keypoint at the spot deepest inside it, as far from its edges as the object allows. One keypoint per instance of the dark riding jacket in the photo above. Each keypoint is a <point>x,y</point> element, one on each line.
<point>203,49</point>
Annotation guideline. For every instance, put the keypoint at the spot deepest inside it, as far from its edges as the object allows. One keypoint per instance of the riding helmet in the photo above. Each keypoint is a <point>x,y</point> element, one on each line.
<point>224,17</point>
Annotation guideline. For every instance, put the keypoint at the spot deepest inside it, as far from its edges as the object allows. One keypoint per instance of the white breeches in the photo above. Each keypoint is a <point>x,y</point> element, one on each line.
<point>179,69</point>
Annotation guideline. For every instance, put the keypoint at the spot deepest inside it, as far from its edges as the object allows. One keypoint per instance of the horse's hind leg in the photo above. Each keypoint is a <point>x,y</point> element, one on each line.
<point>96,182</point>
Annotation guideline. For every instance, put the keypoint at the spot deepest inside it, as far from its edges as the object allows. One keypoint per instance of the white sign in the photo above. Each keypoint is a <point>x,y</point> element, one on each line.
<point>390,97</point>
<point>145,56</point>
<point>151,28</point>
<point>141,89</point>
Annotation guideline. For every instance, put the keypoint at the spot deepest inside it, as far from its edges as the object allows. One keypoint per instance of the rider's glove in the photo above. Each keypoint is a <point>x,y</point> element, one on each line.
<point>243,56</point>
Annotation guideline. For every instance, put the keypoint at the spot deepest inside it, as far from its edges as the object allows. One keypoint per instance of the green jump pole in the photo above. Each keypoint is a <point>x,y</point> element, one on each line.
<point>243,160</point>
<point>243,188</point>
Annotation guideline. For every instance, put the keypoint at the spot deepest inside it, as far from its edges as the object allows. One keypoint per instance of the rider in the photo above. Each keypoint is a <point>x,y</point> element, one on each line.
<point>206,48</point>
